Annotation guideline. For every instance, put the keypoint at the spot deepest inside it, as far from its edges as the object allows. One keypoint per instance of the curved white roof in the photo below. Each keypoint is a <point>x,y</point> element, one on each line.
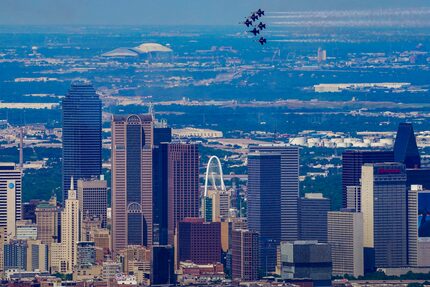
<point>121,52</point>
<point>152,47</point>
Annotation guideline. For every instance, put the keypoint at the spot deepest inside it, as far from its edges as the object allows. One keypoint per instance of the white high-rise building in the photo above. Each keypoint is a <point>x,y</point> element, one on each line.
<point>70,228</point>
<point>322,55</point>
<point>384,205</point>
<point>353,198</point>
<point>10,197</point>
<point>345,236</point>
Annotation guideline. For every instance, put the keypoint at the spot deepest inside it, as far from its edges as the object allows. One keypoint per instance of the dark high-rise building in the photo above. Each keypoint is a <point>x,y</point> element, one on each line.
<point>405,147</point>
<point>162,138</point>
<point>264,204</point>
<point>385,213</point>
<point>183,184</point>
<point>162,265</point>
<point>29,210</point>
<point>160,193</point>
<point>132,187</point>
<point>313,209</point>
<point>289,187</point>
<point>423,198</point>
<point>162,135</point>
<point>418,176</point>
<point>199,241</point>
<point>352,161</point>
<point>92,195</point>
<point>82,134</point>
<point>244,255</point>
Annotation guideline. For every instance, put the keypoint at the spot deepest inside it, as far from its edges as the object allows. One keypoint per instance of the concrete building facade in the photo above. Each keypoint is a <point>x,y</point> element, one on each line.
<point>345,237</point>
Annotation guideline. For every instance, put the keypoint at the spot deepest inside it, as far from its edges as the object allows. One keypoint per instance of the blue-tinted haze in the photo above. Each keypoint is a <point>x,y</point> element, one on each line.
<point>169,12</point>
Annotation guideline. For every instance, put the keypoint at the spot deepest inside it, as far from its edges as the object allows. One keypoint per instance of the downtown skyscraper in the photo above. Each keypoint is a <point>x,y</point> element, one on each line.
<point>273,193</point>
<point>289,187</point>
<point>82,134</point>
<point>47,221</point>
<point>345,236</point>
<point>162,138</point>
<point>183,184</point>
<point>92,196</point>
<point>352,161</point>
<point>175,184</point>
<point>313,208</point>
<point>70,228</point>
<point>385,213</point>
<point>245,254</point>
<point>10,197</point>
<point>264,205</point>
<point>264,190</point>
<point>199,241</point>
<point>405,147</point>
<point>132,181</point>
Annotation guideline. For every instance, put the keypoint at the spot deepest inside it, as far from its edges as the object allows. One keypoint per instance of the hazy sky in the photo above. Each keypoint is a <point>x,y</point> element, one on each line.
<point>169,12</point>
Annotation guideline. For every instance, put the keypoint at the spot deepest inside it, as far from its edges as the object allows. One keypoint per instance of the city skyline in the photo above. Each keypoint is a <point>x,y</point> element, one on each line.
<point>273,178</point>
<point>252,143</point>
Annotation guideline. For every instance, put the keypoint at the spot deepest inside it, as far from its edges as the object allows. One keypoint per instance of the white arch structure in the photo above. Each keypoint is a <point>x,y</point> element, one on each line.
<point>211,175</point>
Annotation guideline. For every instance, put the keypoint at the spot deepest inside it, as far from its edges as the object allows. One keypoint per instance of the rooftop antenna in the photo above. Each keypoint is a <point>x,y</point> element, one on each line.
<point>164,123</point>
<point>151,110</point>
<point>21,148</point>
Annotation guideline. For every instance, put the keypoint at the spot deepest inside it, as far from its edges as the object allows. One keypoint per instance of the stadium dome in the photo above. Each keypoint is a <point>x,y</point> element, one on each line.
<point>145,50</point>
<point>152,47</point>
<point>121,52</point>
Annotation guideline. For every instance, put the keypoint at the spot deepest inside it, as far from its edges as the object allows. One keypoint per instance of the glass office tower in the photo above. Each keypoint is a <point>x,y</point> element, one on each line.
<point>82,134</point>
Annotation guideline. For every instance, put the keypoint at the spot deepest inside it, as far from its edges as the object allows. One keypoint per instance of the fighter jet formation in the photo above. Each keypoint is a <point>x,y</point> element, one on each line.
<point>255,31</point>
<point>251,21</point>
<point>262,41</point>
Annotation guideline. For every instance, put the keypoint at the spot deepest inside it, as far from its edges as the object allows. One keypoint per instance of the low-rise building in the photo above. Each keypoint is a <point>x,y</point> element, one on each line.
<point>26,230</point>
<point>196,133</point>
<point>306,260</point>
<point>190,273</point>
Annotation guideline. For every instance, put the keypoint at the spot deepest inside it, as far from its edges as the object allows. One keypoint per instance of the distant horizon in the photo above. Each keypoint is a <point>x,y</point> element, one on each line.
<point>350,18</point>
<point>173,12</point>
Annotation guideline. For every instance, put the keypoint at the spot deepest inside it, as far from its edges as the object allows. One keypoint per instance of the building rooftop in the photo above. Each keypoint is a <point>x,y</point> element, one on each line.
<point>312,195</point>
<point>152,47</point>
<point>143,117</point>
<point>45,205</point>
<point>7,166</point>
<point>121,52</point>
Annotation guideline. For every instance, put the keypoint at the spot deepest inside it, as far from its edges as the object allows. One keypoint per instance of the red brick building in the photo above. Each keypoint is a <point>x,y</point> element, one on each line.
<point>199,241</point>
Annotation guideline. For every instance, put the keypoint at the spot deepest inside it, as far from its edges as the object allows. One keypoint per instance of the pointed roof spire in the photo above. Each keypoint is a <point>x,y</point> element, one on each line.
<point>72,191</point>
<point>53,199</point>
<point>405,147</point>
<point>71,184</point>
